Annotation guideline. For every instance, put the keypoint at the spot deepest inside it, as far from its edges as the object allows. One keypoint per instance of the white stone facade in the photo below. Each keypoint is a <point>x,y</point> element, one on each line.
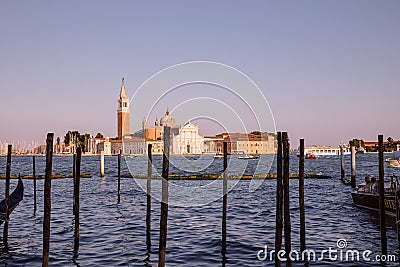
<point>188,141</point>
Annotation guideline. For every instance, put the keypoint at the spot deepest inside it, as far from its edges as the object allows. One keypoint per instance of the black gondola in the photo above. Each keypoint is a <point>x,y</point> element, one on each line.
<point>16,196</point>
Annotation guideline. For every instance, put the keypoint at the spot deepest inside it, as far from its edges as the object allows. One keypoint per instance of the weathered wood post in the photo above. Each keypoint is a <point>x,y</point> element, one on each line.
<point>7,198</point>
<point>279,200</point>
<point>47,199</point>
<point>342,161</point>
<point>119,176</point>
<point>398,214</point>
<point>224,197</point>
<point>353,166</point>
<point>102,164</point>
<point>286,196</point>
<point>148,212</point>
<point>301,199</point>
<point>77,181</point>
<point>34,184</point>
<point>73,179</point>
<point>381,187</point>
<point>164,200</point>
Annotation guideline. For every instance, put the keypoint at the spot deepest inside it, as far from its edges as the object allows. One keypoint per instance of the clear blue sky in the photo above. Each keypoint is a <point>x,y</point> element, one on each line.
<point>329,69</point>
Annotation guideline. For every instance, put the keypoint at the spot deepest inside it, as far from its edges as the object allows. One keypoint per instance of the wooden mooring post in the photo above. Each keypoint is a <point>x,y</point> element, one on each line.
<point>353,166</point>
<point>102,164</point>
<point>279,202</point>
<point>342,161</point>
<point>47,199</point>
<point>73,179</point>
<point>224,198</point>
<point>398,215</point>
<point>164,200</point>
<point>301,199</point>
<point>148,211</point>
<point>286,196</point>
<point>77,181</point>
<point>381,187</point>
<point>119,176</point>
<point>7,198</point>
<point>34,184</point>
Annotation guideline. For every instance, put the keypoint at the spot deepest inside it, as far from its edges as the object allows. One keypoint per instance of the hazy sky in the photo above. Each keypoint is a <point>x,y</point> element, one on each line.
<point>330,70</point>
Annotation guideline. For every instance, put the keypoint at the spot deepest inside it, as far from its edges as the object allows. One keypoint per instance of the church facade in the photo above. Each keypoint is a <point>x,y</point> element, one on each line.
<point>188,140</point>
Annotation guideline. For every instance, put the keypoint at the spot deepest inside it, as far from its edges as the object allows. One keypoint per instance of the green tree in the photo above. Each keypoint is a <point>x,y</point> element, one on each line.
<point>99,135</point>
<point>357,142</point>
<point>390,143</point>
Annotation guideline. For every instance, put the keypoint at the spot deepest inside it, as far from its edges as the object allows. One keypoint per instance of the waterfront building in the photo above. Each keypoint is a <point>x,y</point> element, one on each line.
<point>240,143</point>
<point>212,144</point>
<point>326,150</point>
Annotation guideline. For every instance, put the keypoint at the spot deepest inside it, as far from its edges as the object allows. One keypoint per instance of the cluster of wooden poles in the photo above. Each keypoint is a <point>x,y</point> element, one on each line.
<point>282,197</point>
<point>353,165</point>
<point>282,191</point>
<point>47,198</point>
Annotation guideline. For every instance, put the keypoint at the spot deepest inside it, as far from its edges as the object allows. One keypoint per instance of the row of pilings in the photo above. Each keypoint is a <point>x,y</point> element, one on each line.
<point>282,223</point>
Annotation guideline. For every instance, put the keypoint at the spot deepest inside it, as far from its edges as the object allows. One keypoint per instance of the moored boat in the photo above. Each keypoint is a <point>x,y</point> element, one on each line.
<point>367,196</point>
<point>15,197</point>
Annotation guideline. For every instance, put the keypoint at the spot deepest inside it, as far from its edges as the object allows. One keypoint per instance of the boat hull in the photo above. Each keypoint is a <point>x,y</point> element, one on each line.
<point>371,201</point>
<point>393,163</point>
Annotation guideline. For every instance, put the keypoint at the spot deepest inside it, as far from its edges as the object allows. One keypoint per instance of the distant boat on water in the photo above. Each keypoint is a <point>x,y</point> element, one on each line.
<point>249,157</point>
<point>360,150</point>
<point>219,156</point>
<point>310,156</point>
<point>394,162</point>
<point>320,151</point>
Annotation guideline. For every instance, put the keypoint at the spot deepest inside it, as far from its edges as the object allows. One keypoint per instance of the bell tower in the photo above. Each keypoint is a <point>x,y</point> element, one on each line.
<point>123,113</point>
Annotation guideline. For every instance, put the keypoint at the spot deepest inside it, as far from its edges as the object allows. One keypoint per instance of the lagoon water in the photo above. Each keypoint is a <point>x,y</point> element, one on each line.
<point>114,234</point>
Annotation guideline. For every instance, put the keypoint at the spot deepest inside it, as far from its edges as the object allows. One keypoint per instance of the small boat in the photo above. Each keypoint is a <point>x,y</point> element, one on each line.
<point>249,157</point>
<point>219,156</point>
<point>394,162</point>
<point>367,196</point>
<point>15,197</point>
<point>310,156</point>
<point>360,150</point>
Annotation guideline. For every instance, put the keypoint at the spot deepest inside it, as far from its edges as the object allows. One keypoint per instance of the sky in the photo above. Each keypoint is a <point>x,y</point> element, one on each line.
<point>329,70</point>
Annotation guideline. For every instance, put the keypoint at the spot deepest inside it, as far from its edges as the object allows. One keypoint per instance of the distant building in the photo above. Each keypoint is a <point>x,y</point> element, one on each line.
<point>188,140</point>
<point>263,143</point>
<point>374,145</point>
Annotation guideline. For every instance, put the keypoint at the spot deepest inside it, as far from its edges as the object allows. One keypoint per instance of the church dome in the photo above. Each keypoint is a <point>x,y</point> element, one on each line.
<point>168,120</point>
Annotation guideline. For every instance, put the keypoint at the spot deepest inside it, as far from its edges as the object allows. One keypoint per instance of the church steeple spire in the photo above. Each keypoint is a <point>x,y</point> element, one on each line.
<point>122,94</point>
<point>123,113</point>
